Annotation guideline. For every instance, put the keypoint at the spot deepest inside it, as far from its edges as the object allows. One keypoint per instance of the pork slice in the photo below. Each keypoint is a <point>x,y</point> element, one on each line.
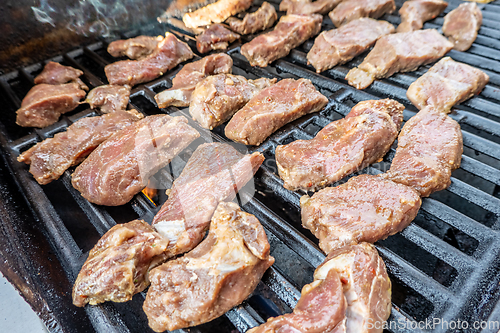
<point>349,10</point>
<point>308,7</point>
<point>290,32</point>
<point>134,48</point>
<point>400,52</point>
<point>415,12</point>
<point>109,98</point>
<point>462,24</point>
<point>217,98</point>
<point>261,19</point>
<point>55,73</point>
<point>121,166</point>
<point>185,81</point>
<point>215,13</point>
<point>215,37</point>
<point>273,108</point>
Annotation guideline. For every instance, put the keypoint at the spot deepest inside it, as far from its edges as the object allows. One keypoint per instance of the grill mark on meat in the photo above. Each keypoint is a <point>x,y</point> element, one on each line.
<point>462,24</point>
<point>215,37</point>
<point>134,48</point>
<point>349,10</point>
<point>215,13</point>
<point>415,12</point>
<point>261,19</point>
<point>109,98</point>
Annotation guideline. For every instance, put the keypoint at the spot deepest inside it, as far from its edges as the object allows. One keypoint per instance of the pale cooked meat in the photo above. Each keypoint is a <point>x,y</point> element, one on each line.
<point>400,52</point>
<point>217,98</point>
<point>365,209</point>
<point>290,32</point>
<point>308,7</point>
<point>349,10</point>
<point>168,53</point>
<point>109,98</point>
<point>117,265</point>
<point>50,158</point>
<point>430,147</point>
<point>121,166</point>
<point>215,13</point>
<point>415,12</point>
<point>273,108</point>
<point>185,81</point>
<point>445,84</point>
<point>344,146</point>
<point>215,37</point>
<point>213,278</point>
<point>55,73</point>
<point>338,46</point>
<point>134,48</point>
<point>462,24</point>
<point>44,103</point>
<point>261,19</point>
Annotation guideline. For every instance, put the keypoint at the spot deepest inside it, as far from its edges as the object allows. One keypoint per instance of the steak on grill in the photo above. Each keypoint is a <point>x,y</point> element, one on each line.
<point>349,10</point>
<point>215,37</point>
<point>135,48</point>
<point>415,12</point>
<point>55,73</point>
<point>261,19</point>
<point>109,98</point>
<point>215,13</point>
<point>462,24</point>
<point>308,7</point>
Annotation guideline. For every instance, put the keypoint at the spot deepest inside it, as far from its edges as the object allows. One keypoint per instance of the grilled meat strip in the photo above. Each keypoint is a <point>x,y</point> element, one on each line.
<point>415,12</point>
<point>344,146</point>
<point>109,98</point>
<point>213,278</point>
<point>55,73</point>
<point>44,103</point>
<point>273,108</point>
<point>290,32</point>
<point>400,52</point>
<point>215,37</point>
<point>349,10</point>
<point>430,147</point>
<point>217,98</point>
<point>50,158</point>
<point>185,81</point>
<point>261,19</point>
<point>308,7</point>
<point>445,84</point>
<point>135,48</point>
<point>462,24</point>
<point>169,53</point>
<point>215,13</point>
<point>338,46</point>
<point>121,166</point>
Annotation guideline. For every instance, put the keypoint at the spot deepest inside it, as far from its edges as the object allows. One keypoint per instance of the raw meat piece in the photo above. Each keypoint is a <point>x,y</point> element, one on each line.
<point>215,37</point>
<point>308,7</point>
<point>134,48</point>
<point>349,10</point>
<point>415,12</point>
<point>109,98</point>
<point>55,73</point>
<point>261,19</point>
<point>462,24</point>
<point>215,13</point>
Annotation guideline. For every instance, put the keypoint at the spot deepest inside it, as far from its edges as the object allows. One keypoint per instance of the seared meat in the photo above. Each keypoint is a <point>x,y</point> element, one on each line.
<point>308,7</point>
<point>273,108</point>
<point>213,278</point>
<point>216,37</point>
<point>349,10</point>
<point>50,158</point>
<point>134,48</point>
<point>185,81</point>
<point>415,12</point>
<point>290,32</point>
<point>215,13</point>
<point>445,84</point>
<point>429,148</point>
<point>344,146</point>
<point>55,73</point>
<point>44,103</point>
<point>109,98</point>
<point>401,52</point>
<point>365,209</point>
<point>117,266</point>
<point>340,45</point>
<point>462,24</point>
<point>169,53</point>
<point>262,19</point>
<point>218,97</point>
<point>121,166</point>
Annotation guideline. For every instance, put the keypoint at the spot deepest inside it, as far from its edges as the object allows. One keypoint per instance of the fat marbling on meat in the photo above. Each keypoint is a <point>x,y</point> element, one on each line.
<point>215,13</point>
<point>415,12</point>
<point>134,48</point>
<point>215,37</point>
<point>261,19</point>
<point>349,10</point>
<point>462,24</point>
<point>217,275</point>
<point>109,98</point>
<point>308,7</point>
<point>55,73</point>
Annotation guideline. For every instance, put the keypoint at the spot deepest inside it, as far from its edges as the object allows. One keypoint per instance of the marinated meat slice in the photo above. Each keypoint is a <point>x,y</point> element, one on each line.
<point>185,81</point>
<point>134,48</point>
<point>169,53</point>
<point>109,98</point>
<point>261,19</point>
<point>121,166</point>
<point>445,84</point>
<point>338,46</point>
<point>217,98</point>
<point>273,108</point>
<point>365,209</point>
<point>401,52</point>
<point>462,24</point>
<point>350,10</point>
<point>430,147</point>
<point>117,266</point>
<point>50,158</point>
<point>216,37</point>
<point>55,73</point>
<point>214,173</point>
<point>342,147</point>
<point>44,103</point>
<point>290,32</point>
<point>213,278</point>
<point>215,13</point>
<point>415,12</point>
<point>308,7</point>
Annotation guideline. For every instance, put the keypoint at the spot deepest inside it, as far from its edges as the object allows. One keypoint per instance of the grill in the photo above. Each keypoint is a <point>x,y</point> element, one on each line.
<point>443,266</point>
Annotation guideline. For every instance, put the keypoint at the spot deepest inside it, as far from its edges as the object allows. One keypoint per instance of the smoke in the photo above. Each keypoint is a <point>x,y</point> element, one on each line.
<point>42,13</point>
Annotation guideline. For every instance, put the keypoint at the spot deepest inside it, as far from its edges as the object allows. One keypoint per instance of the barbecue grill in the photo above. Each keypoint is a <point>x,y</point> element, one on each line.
<point>444,266</point>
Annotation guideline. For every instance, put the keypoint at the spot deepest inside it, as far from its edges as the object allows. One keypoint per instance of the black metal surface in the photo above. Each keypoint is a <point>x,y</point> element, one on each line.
<point>443,266</point>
